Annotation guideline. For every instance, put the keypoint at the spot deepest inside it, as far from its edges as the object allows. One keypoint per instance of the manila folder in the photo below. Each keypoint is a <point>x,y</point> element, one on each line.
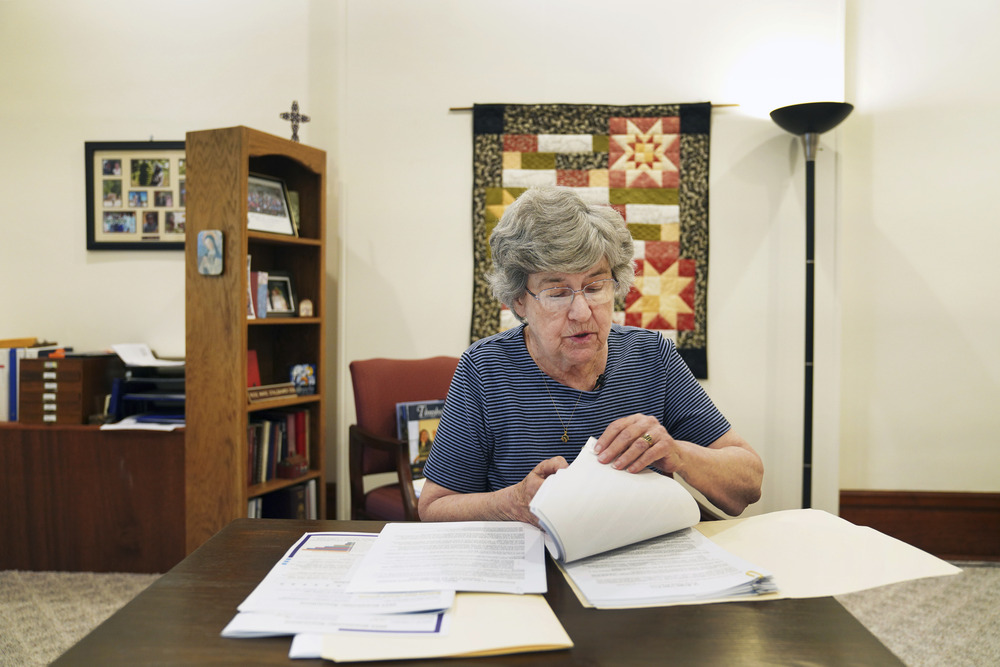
<point>482,624</point>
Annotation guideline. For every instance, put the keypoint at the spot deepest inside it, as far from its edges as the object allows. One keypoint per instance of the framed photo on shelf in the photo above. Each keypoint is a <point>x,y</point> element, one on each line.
<point>280,294</point>
<point>135,195</point>
<point>267,206</point>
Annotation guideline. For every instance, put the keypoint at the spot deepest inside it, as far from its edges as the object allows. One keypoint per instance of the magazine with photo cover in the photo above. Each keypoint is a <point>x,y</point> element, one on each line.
<point>417,423</point>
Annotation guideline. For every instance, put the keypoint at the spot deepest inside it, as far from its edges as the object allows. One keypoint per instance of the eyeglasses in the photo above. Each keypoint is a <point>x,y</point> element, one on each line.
<point>558,299</point>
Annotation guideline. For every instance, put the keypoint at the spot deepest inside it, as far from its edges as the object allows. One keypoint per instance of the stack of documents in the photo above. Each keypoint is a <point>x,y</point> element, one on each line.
<point>361,596</point>
<point>632,544</point>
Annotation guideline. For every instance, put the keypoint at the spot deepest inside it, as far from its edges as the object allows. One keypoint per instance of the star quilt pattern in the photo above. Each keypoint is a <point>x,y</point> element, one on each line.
<point>648,162</point>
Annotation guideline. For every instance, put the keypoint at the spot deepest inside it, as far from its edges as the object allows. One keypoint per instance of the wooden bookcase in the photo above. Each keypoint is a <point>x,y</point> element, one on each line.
<point>218,332</point>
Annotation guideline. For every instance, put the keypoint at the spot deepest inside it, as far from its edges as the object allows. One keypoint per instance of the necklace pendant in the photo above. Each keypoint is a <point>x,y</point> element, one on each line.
<point>565,437</point>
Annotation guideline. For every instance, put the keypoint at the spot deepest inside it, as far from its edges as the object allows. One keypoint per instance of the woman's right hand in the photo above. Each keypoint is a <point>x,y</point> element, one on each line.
<point>520,494</point>
<point>511,504</point>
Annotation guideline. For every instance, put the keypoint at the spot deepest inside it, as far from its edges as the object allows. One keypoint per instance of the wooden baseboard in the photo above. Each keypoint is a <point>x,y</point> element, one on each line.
<point>953,526</point>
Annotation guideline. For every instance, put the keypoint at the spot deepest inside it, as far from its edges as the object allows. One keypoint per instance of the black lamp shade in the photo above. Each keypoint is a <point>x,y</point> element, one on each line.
<point>813,117</point>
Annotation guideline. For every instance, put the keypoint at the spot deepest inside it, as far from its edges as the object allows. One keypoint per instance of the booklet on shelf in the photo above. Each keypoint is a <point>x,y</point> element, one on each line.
<point>416,424</point>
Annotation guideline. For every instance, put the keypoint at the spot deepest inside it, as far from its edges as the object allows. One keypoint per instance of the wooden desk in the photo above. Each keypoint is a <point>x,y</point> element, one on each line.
<point>76,498</point>
<point>178,619</point>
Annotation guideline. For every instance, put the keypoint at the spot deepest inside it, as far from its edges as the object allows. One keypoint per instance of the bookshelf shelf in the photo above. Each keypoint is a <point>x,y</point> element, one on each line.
<point>280,239</point>
<point>275,403</point>
<point>219,334</point>
<point>276,484</point>
<point>291,321</point>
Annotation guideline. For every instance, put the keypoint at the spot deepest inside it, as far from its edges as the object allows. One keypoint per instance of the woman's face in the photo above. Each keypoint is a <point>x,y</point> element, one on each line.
<point>576,335</point>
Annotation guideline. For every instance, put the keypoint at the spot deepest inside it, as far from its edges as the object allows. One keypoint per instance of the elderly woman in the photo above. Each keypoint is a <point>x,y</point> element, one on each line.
<point>523,402</point>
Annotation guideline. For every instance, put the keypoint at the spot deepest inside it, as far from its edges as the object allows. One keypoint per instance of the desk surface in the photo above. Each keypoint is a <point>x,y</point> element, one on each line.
<point>178,619</point>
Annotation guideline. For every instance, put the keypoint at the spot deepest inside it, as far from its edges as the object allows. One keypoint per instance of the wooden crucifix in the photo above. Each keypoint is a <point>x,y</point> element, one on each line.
<point>296,118</point>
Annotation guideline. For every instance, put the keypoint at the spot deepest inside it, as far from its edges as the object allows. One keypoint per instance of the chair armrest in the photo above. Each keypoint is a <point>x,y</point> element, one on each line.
<point>359,439</point>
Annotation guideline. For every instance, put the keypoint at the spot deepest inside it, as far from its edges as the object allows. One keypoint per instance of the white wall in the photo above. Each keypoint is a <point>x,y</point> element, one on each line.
<point>406,178</point>
<point>921,363</point>
<point>121,70</point>
<point>911,276</point>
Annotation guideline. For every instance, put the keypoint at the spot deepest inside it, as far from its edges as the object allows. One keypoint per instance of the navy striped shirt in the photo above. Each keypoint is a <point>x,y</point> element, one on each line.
<point>499,421</point>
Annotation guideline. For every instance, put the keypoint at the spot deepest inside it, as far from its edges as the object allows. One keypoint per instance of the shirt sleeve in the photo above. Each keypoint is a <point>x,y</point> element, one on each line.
<point>690,414</point>
<point>459,458</point>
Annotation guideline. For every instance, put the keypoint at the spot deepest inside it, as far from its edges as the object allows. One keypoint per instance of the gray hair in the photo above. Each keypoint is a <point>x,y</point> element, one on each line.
<point>553,229</point>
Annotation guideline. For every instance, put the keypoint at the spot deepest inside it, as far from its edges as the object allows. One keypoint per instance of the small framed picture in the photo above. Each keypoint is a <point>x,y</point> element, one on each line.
<point>210,252</point>
<point>280,294</point>
<point>267,206</point>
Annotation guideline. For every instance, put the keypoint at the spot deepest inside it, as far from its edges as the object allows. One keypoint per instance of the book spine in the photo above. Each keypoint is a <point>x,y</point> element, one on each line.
<point>16,354</point>
<point>4,387</point>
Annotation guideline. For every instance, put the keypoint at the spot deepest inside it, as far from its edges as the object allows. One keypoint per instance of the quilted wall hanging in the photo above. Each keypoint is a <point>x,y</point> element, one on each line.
<point>649,162</point>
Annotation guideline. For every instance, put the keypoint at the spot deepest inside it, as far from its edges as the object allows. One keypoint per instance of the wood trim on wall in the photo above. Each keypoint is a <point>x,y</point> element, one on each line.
<point>950,525</point>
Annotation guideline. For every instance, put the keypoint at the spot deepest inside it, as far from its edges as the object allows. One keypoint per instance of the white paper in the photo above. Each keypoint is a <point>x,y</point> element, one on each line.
<point>133,424</point>
<point>813,553</point>
<point>313,575</point>
<point>684,565</point>
<point>259,624</point>
<point>306,647</point>
<point>305,593</point>
<point>484,556</point>
<point>590,507</point>
<point>139,354</point>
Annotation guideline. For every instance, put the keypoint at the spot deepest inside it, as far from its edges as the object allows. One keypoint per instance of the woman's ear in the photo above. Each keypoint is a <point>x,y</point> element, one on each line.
<point>518,306</point>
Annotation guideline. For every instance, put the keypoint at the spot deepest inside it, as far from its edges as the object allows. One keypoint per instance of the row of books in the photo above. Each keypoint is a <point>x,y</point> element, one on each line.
<point>278,445</point>
<point>294,502</point>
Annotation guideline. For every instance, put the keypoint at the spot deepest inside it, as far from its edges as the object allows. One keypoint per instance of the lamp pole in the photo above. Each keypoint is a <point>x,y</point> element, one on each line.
<point>809,121</point>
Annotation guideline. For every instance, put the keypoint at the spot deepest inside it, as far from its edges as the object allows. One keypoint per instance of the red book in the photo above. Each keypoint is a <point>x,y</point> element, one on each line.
<point>253,370</point>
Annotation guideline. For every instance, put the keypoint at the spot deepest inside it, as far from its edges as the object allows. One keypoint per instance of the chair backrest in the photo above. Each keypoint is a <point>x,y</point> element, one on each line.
<point>381,383</point>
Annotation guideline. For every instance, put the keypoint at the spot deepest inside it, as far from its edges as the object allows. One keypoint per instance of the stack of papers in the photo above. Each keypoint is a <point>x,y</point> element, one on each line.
<point>684,566</point>
<point>361,596</point>
<point>632,544</point>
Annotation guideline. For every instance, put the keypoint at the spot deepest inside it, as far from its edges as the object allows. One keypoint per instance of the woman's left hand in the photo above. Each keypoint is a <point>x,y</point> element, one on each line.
<point>636,442</point>
<point>728,471</point>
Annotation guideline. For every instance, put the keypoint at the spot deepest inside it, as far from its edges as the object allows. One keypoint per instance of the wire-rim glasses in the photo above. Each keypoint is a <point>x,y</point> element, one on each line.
<point>558,299</point>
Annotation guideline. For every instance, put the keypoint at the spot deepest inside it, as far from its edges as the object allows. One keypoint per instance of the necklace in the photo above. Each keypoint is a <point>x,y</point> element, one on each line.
<point>565,435</point>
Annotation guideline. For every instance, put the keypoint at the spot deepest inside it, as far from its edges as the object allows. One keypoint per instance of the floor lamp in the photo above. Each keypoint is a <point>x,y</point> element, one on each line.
<point>809,121</point>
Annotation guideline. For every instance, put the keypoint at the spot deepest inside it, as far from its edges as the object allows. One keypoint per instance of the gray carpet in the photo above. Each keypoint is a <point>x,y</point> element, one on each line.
<point>44,613</point>
<point>940,622</point>
<point>937,622</point>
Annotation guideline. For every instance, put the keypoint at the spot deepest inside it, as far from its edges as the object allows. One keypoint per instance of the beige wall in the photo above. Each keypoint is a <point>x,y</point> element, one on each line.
<point>921,360</point>
<point>120,70</point>
<point>406,174</point>
<point>905,316</point>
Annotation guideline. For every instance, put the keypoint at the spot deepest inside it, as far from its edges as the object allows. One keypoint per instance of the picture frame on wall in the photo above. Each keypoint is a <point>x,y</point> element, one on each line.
<point>135,195</point>
<point>268,209</point>
<point>280,295</point>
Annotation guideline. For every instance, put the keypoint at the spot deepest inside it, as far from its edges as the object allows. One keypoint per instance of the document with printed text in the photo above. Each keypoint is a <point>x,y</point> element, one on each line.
<point>305,592</point>
<point>479,556</point>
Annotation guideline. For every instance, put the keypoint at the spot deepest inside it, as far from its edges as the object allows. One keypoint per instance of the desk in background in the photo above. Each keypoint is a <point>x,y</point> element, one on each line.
<point>178,619</point>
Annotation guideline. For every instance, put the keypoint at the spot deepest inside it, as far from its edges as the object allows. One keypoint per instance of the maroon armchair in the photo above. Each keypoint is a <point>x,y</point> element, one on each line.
<point>379,384</point>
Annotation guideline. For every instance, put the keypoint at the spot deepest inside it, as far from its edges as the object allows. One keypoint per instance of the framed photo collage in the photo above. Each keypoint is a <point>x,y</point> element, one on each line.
<point>135,195</point>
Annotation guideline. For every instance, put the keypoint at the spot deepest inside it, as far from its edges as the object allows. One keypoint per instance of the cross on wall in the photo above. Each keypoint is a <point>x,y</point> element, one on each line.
<point>295,117</point>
